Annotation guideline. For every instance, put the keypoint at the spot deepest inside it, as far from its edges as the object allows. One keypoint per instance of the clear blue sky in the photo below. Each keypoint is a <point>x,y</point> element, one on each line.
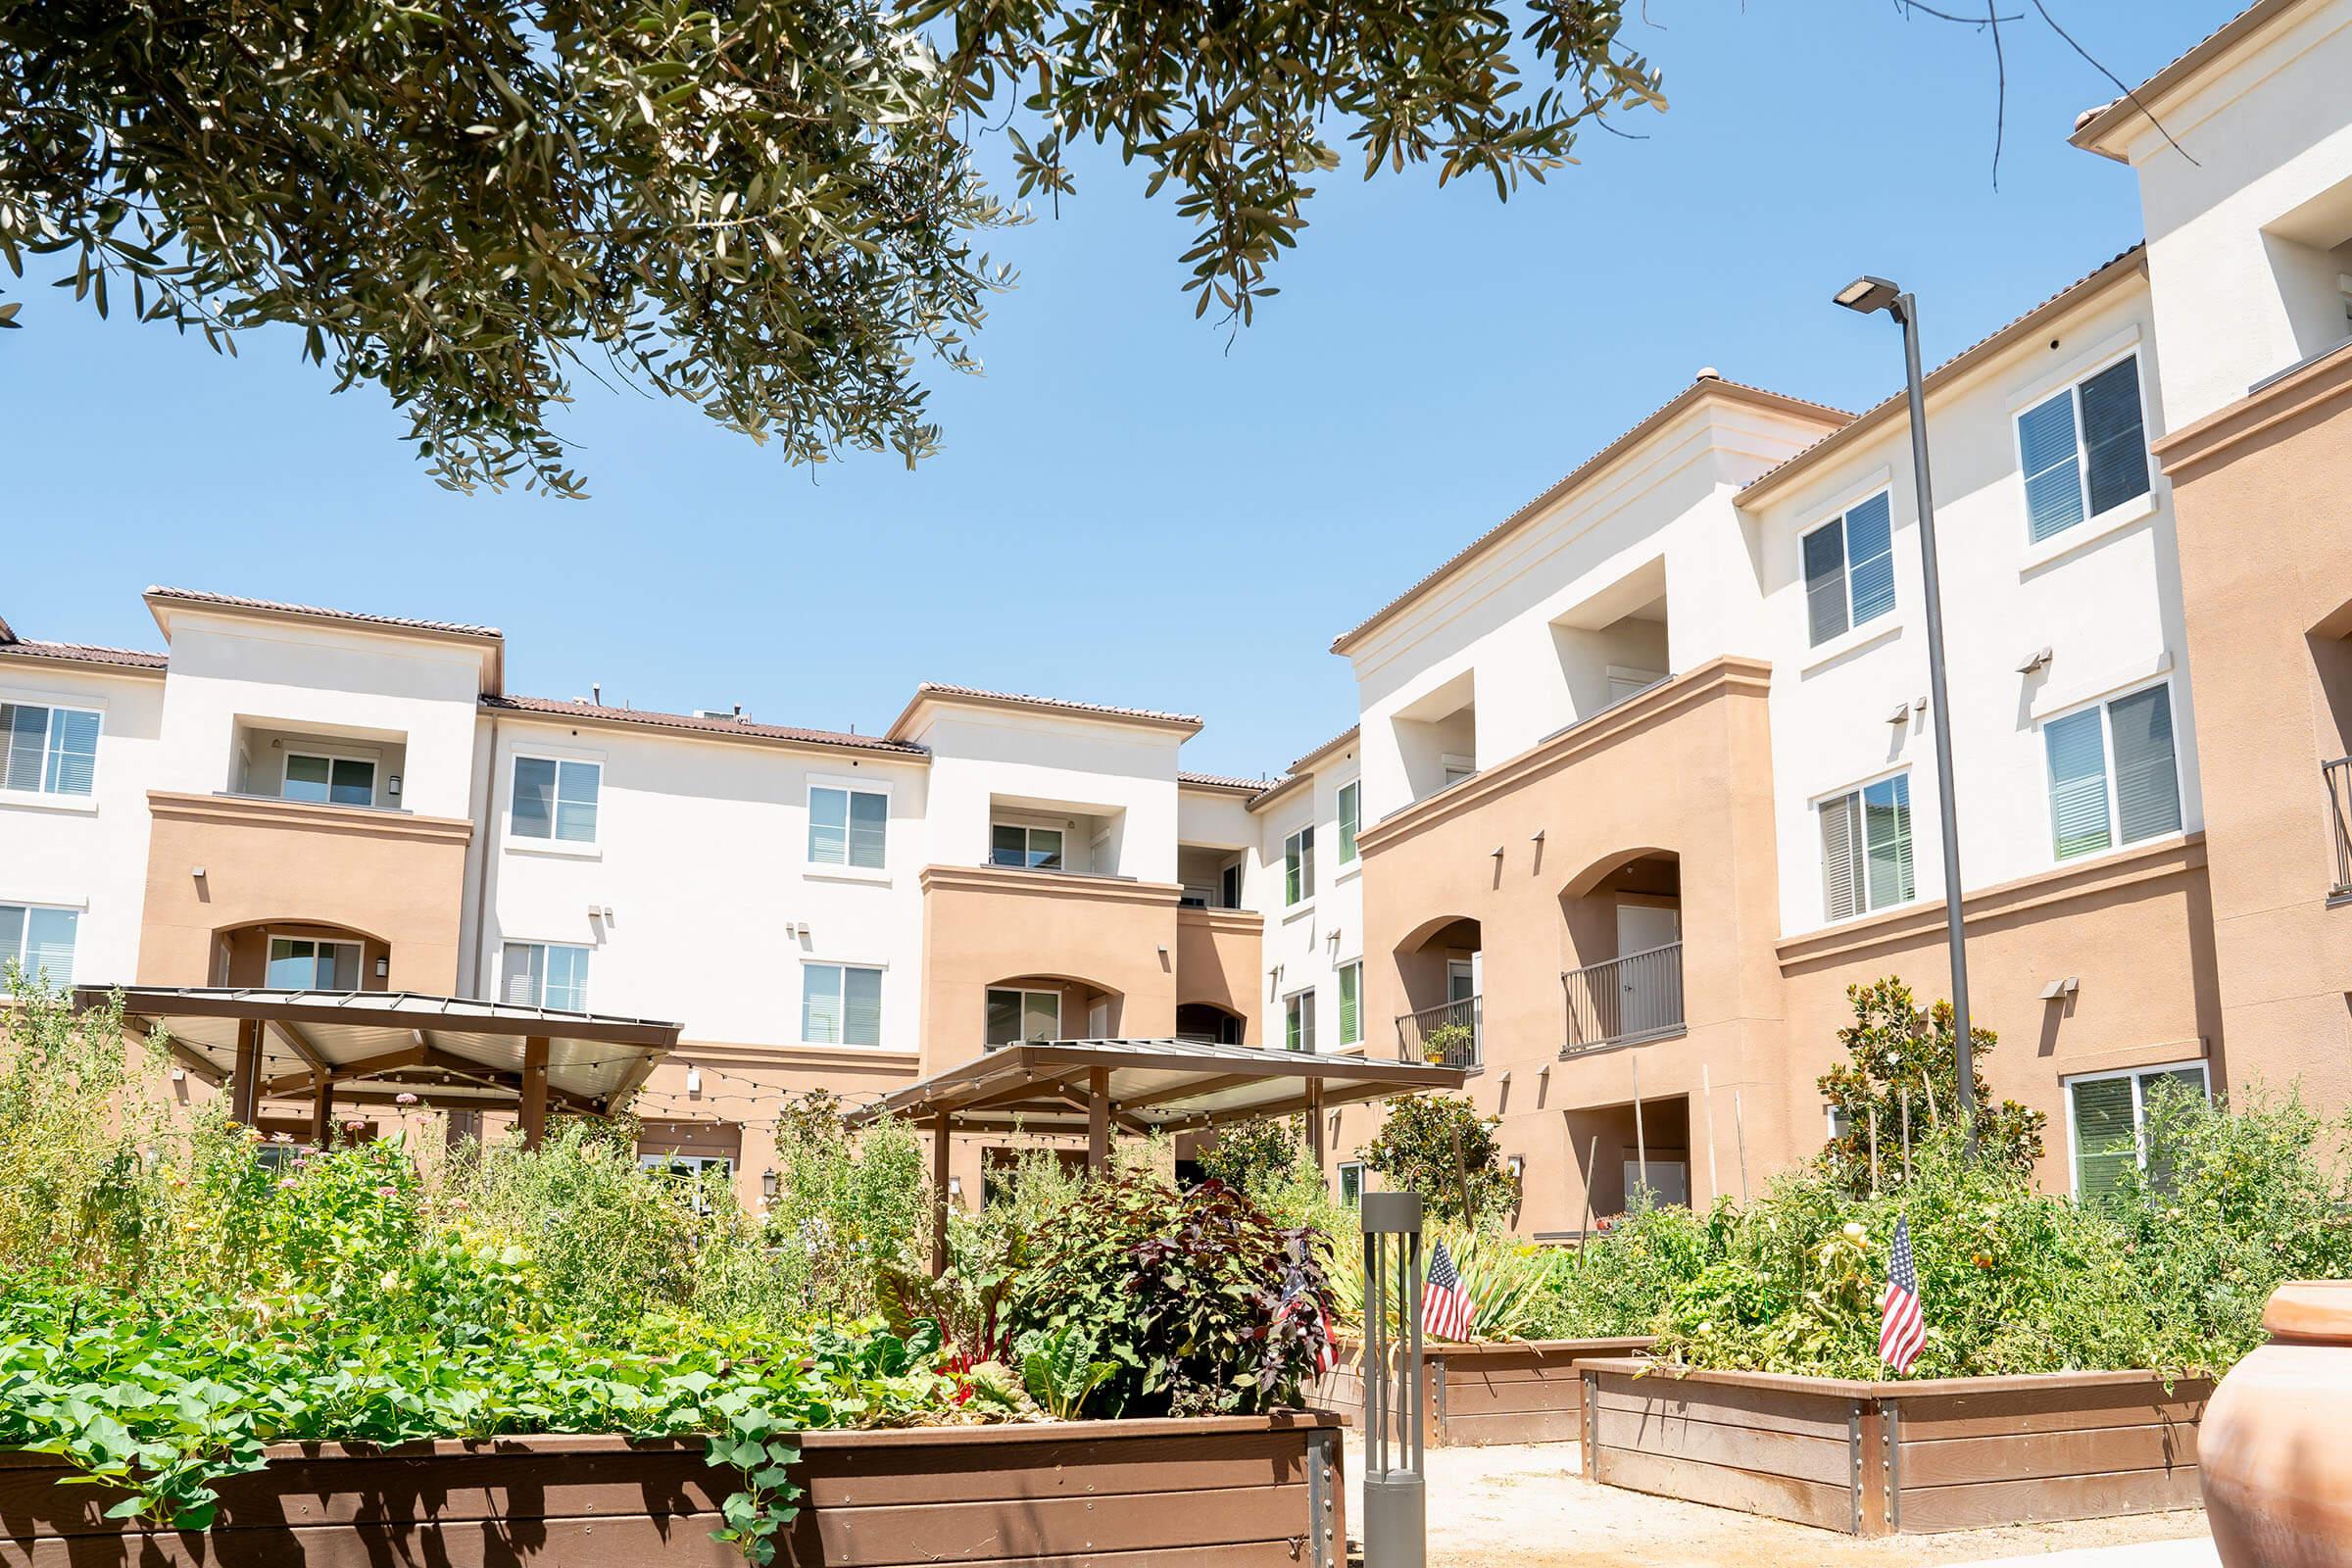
<point>1129,509</point>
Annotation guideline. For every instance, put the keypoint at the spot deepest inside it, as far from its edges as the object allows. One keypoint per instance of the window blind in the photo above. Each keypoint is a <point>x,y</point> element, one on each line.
<point>535,814</point>
<point>869,828</point>
<point>2147,784</point>
<point>41,941</point>
<point>1350,798</point>
<point>1301,1033</point>
<point>567,984</point>
<point>2113,439</point>
<point>2047,448</point>
<point>1825,581</point>
<point>27,737</point>
<point>1841,880</point>
<point>820,1004</point>
<point>73,752</point>
<point>523,975</point>
<point>2105,1141</point>
<point>861,1006</point>
<point>2077,753</point>
<point>1887,841</point>
<point>1351,981</point>
<point>1870,556</point>
<point>576,786</point>
<point>51,751</point>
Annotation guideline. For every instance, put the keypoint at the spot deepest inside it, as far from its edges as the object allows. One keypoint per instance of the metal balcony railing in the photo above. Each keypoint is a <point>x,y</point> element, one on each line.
<point>2338,777</point>
<point>1624,1001</point>
<point>1449,1035</point>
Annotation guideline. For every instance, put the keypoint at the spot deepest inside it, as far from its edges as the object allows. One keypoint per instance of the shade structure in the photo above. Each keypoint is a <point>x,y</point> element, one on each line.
<point>372,1046</point>
<point>1045,1086</point>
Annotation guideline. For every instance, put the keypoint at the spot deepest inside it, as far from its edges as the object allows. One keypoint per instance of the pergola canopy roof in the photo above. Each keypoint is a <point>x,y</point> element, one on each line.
<point>1043,1086</point>
<point>450,1052</point>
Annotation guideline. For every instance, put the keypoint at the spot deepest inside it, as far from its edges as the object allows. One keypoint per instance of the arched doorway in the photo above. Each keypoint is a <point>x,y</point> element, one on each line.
<point>1440,966</point>
<point>1621,924</point>
<point>300,956</point>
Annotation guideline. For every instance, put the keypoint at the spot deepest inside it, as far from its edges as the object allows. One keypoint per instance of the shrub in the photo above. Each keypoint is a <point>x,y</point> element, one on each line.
<point>1510,1284</point>
<point>1439,1147</point>
<point>1184,1293</point>
<point>1249,1153</point>
<point>1618,1282</point>
<point>846,1207</point>
<point>1899,1071</point>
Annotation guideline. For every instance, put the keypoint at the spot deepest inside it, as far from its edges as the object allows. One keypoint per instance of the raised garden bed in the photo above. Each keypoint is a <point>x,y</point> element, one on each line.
<point>1882,1458</point>
<point>1524,1391</point>
<point>1230,1491</point>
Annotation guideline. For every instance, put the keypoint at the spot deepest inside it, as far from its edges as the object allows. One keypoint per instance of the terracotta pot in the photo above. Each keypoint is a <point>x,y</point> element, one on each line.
<point>2271,1452</point>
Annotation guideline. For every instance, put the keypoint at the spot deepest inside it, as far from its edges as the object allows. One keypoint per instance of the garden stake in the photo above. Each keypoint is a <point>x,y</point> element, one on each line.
<point>1740,1121</point>
<point>1929,1084</point>
<point>1585,1236</point>
<point>1641,1143</point>
<point>1874,1149</point>
<point>1706,1101</point>
<point>1906,1138</point>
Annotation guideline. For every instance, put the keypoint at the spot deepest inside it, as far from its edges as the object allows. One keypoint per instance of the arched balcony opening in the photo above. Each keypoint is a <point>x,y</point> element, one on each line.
<point>1210,1024</point>
<point>1051,1006</point>
<point>300,956</point>
<point>1621,924</point>
<point>1438,964</point>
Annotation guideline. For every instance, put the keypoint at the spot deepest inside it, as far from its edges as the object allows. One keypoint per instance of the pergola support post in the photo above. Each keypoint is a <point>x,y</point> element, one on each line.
<point>939,1195</point>
<point>1315,1131</point>
<point>1097,1120</point>
<point>322,1108</point>
<point>533,1117</point>
<point>245,1093</point>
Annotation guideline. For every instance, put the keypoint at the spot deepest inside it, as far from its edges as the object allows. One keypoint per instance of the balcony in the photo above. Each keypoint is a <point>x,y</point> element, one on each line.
<point>1624,1001</point>
<point>1449,1035</point>
<point>2337,776</point>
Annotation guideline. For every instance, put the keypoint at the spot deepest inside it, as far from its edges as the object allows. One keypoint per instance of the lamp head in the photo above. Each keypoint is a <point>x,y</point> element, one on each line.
<point>1866,294</point>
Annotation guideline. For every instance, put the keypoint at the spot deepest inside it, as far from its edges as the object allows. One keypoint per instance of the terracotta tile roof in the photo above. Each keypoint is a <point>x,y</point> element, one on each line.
<point>6,635</point>
<point>83,654</point>
<point>1705,385</point>
<point>932,688</point>
<point>1222,781</point>
<point>194,596</point>
<point>2099,278</point>
<point>1343,737</point>
<point>688,723</point>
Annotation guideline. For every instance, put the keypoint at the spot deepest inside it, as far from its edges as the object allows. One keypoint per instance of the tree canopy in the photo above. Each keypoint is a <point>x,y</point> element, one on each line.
<point>768,207</point>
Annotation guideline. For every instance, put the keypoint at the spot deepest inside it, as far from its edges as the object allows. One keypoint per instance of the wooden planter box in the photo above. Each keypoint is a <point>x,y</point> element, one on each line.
<point>1881,1459</point>
<point>1480,1395</point>
<point>1235,1491</point>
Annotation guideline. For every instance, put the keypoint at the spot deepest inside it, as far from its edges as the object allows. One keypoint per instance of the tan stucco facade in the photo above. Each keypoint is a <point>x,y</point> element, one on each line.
<point>1220,963</point>
<point>2263,490</point>
<point>396,881</point>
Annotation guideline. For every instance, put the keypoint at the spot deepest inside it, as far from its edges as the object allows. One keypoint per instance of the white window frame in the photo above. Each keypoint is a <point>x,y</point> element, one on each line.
<point>1342,837</point>
<point>2139,1117</point>
<point>1854,631</point>
<point>29,905</point>
<point>1813,825</point>
<point>881,972</point>
<point>1312,1046</point>
<point>1301,842</point>
<point>843,871</point>
<point>374,766</point>
<point>584,848</point>
<point>2115,817</point>
<point>1339,1187</point>
<point>2101,358</point>
<point>1339,977</point>
<point>1024,992</point>
<point>497,980</point>
<point>56,703</point>
<point>359,968</point>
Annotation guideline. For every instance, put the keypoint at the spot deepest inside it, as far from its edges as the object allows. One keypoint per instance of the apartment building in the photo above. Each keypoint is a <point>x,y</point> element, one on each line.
<point>1648,769</point>
<point>1641,778</point>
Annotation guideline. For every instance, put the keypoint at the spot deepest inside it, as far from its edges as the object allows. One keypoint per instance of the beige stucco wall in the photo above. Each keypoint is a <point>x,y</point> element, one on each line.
<point>1219,958</point>
<point>391,877</point>
<point>986,925</point>
<point>2264,493</point>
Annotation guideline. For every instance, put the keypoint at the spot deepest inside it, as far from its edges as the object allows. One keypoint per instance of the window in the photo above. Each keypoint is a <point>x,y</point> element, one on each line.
<point>1017,1015</point>
<point>1351,1183</point>
<point>546,974</point>
<point>848,827</point>
<point>1866,849</point>
<point>2113,777</point>
<point>841,1004</point>
<point>1031,849</point>
<point>556,798</point>
<point>2108,1118</point>
<point>1350,816</point>
<point>329,780</point>
<point>1849,570</point>
<point>689,1172</point>
<point>1299,867</point>
<point>40,942</point>
<point>1299,1022</point>
<point>50,751</point>
<point>299,964</point>
<point>1351,1003</point>
<point>2083,452</point>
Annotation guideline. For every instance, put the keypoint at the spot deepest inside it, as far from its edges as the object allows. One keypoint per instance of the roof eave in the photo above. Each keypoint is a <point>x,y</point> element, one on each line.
<point>2103,131</point>
<point>489,646</point>
<point>1045,708</point>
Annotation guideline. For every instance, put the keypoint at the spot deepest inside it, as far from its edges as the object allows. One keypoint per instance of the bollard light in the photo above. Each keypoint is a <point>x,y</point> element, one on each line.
<point>1396,1485</point>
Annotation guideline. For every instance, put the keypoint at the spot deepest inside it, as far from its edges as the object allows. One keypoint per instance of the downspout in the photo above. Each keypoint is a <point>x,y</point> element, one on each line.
<point>481,885</point>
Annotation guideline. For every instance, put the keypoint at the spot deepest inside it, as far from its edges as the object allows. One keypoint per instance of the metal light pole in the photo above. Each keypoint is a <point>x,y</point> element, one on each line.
<point>1867,294</point>
<point>1395,1482</point>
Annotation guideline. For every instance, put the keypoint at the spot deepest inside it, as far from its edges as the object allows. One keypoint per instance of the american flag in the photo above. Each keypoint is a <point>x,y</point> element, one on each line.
<point>1902,1328</point>
<point>1445,1309</point>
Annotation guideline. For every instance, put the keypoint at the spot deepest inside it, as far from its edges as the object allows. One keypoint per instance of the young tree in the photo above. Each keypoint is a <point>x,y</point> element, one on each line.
<point>769,208</point>
<point>1898,1072</point>
<point>1439,1147</point>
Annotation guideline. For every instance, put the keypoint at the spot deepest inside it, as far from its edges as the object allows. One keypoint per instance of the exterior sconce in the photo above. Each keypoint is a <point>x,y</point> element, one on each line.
<point>2059,989</point>
<point>2037,659</point>
<point>392,786</point>
<point>383,968</point>
<point>694,1082</point>
<point>767,1184</point>
<point>196,871</point>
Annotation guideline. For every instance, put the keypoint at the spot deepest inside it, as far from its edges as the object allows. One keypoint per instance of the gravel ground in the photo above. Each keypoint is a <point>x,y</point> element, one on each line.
<point>1529,1507</point>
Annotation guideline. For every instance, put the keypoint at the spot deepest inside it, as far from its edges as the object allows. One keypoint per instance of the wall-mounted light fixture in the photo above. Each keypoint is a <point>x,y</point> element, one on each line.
<point>2058,990</point>
<point>694,1082</point>
<point>196,871</point>
<point>383,968</point>
<point>392,788</point>
<point>2039,659</point>
<point>1901,714</point>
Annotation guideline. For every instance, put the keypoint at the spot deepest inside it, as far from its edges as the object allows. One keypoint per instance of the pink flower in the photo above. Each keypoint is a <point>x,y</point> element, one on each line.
<point>355,1124</point>
<point>285,1184</point>
<point>387,1191</point>
<point>403,1097</point>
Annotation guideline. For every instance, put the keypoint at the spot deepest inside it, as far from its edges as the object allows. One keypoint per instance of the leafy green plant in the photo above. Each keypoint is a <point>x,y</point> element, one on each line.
<point>1246,1155</point>
<point>1896,1085</point>
<point>1439,1147</point>
<point>1061,1372</point>
<point>1449,1043</point>
<point>1510,1284</point>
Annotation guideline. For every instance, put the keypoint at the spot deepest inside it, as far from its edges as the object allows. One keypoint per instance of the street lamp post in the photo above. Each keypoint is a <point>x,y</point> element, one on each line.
<point>1866,295</point>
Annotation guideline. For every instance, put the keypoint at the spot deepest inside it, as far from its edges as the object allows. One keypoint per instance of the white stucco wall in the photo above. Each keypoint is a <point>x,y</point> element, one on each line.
<point>1070,767</point>
<point>1307,944</point>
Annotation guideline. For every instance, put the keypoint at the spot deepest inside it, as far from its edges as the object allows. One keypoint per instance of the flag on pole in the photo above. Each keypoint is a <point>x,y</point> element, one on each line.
<point>1902,1329</point>
<point>1445,1309</point>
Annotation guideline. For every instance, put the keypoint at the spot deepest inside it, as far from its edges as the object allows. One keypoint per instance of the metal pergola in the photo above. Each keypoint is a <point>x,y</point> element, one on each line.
<point>1135,1086</point>
<point>375,1047</point>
